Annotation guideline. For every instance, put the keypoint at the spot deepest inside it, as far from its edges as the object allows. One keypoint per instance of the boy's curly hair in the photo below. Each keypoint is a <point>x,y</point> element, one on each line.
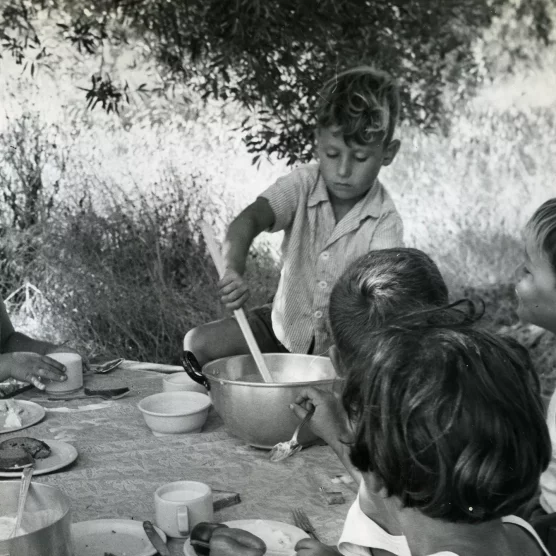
<point>363,101</point>
<point>448,416</point>
<point>542,230</point>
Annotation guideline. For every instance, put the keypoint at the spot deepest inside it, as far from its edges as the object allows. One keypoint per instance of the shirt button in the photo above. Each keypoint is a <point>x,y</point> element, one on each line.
<point>325,256</point>
<point>318,314</point>
<point>323,284</point>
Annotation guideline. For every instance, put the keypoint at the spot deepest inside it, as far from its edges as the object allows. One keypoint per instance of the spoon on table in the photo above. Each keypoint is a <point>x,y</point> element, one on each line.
<point>284,450</point>
<point>23,490</point>
<point>108,394</point>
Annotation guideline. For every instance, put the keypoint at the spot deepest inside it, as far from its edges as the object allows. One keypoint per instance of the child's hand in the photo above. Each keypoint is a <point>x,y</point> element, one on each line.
<point>235,542</point>
<point>66,349</point>
<point>32,367</point>
<point>233,290</point>
<point>311,547</point>
<point>329,421</point>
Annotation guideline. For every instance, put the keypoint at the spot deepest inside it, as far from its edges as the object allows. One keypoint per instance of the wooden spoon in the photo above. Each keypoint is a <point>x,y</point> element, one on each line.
<point>239,313</point>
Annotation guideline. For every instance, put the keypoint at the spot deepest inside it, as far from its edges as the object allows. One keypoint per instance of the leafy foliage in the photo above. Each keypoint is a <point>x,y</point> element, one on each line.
<point>273,57</point>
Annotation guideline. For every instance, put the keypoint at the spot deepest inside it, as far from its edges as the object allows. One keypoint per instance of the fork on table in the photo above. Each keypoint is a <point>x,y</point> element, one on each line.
<point>302,521</point>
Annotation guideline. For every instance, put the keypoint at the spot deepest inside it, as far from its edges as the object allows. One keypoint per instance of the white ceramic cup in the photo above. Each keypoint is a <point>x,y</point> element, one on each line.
<point>181,505</point>
<point>180,382</point>
<point>74,372</point>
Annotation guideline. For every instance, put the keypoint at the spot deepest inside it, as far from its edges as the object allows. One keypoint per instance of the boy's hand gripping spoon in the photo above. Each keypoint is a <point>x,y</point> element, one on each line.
<point>239,313</point>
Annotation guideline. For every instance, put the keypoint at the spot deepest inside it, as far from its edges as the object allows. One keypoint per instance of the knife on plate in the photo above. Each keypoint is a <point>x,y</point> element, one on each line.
<point>156,539</point>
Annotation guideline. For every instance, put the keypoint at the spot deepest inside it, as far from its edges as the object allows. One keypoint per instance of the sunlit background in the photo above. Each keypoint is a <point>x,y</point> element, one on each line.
<point>119,266</point>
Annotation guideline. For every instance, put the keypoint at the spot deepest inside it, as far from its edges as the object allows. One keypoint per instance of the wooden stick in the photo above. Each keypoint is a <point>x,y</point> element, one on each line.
<point>239,313</point>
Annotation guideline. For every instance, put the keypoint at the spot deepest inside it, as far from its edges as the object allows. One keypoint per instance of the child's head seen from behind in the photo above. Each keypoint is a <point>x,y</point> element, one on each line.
<point>536,289</point>
<point>448,417</point>
<point>356,119</point>
<point>380,286</point>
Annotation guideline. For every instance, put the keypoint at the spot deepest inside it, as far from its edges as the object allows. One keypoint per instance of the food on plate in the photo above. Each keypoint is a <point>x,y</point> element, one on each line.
<point>10,414</point>
<point>21,451</point>
<point>276,539</point>
<point>14,458</point>
<point>36,448</point>
<point>228,541</point>
<point>200,536</point>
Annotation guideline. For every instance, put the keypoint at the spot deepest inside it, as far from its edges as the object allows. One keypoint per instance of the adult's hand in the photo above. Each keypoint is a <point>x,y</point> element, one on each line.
<point>66,349</point>
<point>32,367</point>
<point>311,547</point>
<point>227,541</point>
<point>234,292</point>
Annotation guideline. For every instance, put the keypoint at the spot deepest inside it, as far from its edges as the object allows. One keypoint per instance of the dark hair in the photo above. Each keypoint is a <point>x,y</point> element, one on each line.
<point>363,101</point>
<point>379,286</point>
<point>448,416</point>
<point>542,229</point>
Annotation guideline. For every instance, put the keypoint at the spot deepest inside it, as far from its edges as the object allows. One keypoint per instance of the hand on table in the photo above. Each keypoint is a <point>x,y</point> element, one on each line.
<point>233,290</point>
<point>32,367</point>
<point>329,421</point>
<point>311,547</point>
<point>227,541</point>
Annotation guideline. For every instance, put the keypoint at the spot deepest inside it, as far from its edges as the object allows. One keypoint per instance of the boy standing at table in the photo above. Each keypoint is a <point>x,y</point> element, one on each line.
<point>331,213</point>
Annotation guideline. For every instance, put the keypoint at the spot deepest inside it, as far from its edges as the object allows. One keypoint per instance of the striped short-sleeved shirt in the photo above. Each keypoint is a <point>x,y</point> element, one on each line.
<point>316,251</point>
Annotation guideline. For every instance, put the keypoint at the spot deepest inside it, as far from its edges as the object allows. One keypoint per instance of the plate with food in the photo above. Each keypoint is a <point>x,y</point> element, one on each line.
<point>280,538</point>
<point>46,455</point>
<point>19,414</point>
<point>116,537</point>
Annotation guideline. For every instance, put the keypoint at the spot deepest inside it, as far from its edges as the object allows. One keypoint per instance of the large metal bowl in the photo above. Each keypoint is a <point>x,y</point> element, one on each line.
<point>47,507</point>
<point>258,412</point>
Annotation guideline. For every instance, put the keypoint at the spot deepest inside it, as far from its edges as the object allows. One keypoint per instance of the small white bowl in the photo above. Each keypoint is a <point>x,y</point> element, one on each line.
<point>170,413</point>
<point>180,382</point>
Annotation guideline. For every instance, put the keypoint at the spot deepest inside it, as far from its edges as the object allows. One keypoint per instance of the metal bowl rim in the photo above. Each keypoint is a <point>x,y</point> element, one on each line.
<point>212,378</point>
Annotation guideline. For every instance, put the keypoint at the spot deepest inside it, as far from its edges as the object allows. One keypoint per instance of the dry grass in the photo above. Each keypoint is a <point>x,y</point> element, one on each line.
<point>121,263</point>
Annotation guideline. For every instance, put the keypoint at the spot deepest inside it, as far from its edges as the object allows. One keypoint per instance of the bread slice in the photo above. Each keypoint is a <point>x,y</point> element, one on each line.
<point>12,458</point>
<point>37,449</point>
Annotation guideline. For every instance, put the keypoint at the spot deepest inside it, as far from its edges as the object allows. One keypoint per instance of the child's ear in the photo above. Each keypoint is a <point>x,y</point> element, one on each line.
<point>390,152</point>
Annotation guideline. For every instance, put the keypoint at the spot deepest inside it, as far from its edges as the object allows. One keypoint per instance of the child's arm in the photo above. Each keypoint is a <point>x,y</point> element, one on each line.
<point>253,220</point>
<point>256,218</point>
<point>23,358</point>
<point>329,423</point>
<point>12,341</point>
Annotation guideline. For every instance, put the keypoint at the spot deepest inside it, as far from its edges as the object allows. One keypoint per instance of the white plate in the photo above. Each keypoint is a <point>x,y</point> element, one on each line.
<point>32,414</point>
<point>61,454</point>
<point>265,530</point>
<point>121,537</point>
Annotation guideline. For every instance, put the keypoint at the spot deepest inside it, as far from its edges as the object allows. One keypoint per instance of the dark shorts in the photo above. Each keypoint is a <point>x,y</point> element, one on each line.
<point>260,322</point>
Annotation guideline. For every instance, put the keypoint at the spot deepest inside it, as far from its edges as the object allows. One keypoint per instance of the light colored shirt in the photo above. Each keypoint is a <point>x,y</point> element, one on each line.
<point>361,534</point>
<point>548,478</point>
<point>316,250</point>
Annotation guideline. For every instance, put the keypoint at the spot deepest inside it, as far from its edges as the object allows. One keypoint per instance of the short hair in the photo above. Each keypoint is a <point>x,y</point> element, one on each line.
<point>378,286</point>
<point>448,416</point>
<point>363,101</point>
<point>542,230</point>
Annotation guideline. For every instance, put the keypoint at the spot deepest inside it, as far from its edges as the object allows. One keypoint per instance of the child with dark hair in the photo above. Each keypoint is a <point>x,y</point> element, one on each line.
<point>378,286</point>
<point>448,430</point>
<point>375,288</point>
<point>330,212</point>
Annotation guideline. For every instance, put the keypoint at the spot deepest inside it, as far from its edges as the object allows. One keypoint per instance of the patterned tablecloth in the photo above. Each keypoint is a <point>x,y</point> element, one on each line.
<point>121,463</point>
